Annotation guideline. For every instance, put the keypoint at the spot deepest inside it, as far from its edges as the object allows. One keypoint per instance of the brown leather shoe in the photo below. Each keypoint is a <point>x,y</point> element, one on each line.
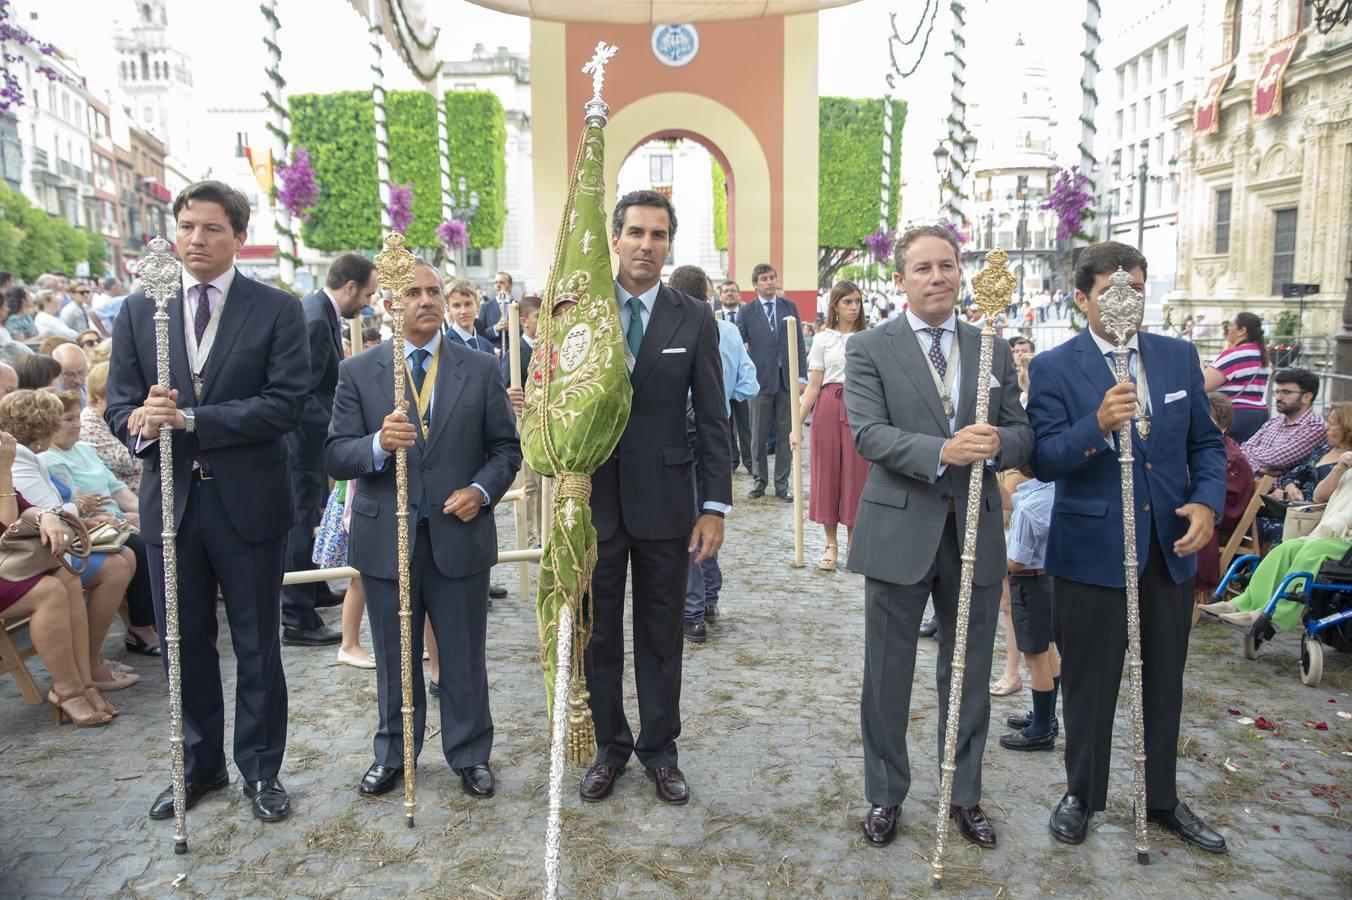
<point>880,825</point>
<point>974,825</point>
<point>671,786</point>
<point>598,782</point>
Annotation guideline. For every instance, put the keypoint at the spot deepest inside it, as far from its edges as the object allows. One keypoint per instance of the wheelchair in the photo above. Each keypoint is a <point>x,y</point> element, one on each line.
<point>1326,620</point>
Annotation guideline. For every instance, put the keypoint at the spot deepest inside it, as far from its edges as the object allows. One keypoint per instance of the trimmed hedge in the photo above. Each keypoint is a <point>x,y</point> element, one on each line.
<point>339,131</point>
<point>33,242</point>
<point>720,206</point>
<point>477,125</point>
<point>850,142</point>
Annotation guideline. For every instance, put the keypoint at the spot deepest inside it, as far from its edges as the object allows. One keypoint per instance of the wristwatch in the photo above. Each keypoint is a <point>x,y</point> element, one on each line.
<point>189,420</point>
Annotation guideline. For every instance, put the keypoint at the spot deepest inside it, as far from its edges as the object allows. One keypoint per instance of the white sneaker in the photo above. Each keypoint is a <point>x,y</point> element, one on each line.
<point>355,661</point>
<point>1219,607</point>
<point>1244,619</point>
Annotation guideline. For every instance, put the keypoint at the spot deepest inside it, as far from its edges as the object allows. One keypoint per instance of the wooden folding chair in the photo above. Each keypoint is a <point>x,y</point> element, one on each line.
<point>12,660</point>
<point>1244,537</point>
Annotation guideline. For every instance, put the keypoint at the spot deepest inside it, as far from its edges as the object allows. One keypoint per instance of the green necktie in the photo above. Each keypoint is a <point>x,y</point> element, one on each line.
<point>634,336</point>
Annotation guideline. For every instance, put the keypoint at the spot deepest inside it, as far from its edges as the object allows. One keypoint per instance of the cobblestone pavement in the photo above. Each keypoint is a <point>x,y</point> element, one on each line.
<point>771,747</point>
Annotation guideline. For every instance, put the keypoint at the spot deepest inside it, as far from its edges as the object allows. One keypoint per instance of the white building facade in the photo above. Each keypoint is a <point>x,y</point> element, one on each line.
<point>156,78</point>
<point>682,169</point>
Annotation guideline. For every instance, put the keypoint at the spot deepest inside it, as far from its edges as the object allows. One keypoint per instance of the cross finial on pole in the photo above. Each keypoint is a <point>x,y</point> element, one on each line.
<point>596,110</point>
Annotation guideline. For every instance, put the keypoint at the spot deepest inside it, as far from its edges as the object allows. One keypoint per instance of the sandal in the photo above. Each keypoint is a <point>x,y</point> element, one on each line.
<point>63,708</point>
<point>1004,688</point>
<point>828,560</point>
<point>137,644</point>
<point>98,701</point>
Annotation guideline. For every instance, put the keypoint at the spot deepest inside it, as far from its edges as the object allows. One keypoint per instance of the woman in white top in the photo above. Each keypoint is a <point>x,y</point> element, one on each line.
<point>838,471</point>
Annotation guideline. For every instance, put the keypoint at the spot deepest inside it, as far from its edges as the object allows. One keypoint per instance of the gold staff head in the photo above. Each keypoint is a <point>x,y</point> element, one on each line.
<point>1120,307</point>
<point>994,285</point>
<point>160,272</point>
<point>395,268</point>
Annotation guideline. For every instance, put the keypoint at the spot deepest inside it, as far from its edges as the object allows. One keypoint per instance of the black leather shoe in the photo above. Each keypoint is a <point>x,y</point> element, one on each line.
<point>670,783</point>
<point>379,780</point>
<point>755,493</point>
<point>1021,722</point>
<point>1070,820</point>
<point>326,599</point>
<point>711,612</point>
<point>1022,740</point>
<point>785,496</point>
<point>311,637</point>
<point>1190,829</point>
<point>973,824</point>
<point>163,807</point>
<point>270,801</point>
<point>880,825</point>
<point>929,627</point>
<point>696,632</point>
<point>496,592</point>
<point>599,781</point>
<point>477,781</point>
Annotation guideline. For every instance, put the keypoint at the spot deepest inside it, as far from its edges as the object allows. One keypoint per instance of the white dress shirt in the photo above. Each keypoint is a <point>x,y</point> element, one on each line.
<point>1108,351</point>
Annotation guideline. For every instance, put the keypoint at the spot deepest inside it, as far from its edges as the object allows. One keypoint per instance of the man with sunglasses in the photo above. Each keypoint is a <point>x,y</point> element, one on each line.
<point>1289,437</point>
<point>79,315</point>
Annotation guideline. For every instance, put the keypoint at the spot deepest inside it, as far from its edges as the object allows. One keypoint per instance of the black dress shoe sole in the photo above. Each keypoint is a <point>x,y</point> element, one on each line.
<point>312,641</point>
<point>1188,839</point>
<point>265,816</point>
<point>380,788</point>
<point>220,781</point>
<point>879,842</point>
<point>1017,741</point>
<point>497,593</point>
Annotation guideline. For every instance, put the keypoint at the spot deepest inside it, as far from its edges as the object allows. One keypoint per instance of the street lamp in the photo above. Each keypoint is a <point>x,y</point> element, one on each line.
<point>464,207</point>
<point>989,221</point>
<point>942,166</point>
<point>1142,177</point>
<point>1021,194</point>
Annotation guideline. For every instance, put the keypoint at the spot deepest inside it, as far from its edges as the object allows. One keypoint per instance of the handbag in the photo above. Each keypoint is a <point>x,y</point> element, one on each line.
<point>23,555</point>
<point>1301,520</point>
<point>107,538</point>
<point>330,550</point>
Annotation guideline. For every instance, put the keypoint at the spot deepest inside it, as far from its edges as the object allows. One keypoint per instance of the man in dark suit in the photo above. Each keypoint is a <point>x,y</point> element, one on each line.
<point>491,319</point>
<point>739,420</point>
<point>642,502</point>
<point>462,457</point>
<point>762,325</point>
<point>462,305</point>
<point>348,288</point>
<point>911,407</point>
<point>1076,407</point>
<point>240,370</point>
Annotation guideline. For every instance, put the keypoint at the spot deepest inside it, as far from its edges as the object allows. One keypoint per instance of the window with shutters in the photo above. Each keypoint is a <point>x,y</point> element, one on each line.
<point>1283,248</point>
<point>1222,221</point>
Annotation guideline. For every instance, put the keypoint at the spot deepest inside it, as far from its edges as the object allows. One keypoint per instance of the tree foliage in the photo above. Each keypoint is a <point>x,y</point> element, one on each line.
<point>33,242</point>
<point>849,180</point>
<point>339,132</point>
<point>720,206</point>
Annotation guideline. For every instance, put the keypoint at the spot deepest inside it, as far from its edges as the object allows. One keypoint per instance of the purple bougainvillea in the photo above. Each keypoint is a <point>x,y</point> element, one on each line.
<point>453,234</point>
<point>958,234</point>
<point>1069,200</point>
<point>880,244</point>
<point>298,191</point>
<point>11,91</point>
<point>401,206</point>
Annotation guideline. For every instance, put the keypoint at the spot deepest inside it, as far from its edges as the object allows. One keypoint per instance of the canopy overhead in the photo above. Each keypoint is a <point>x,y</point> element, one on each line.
<point>655,12</point>
<point>406,28</point>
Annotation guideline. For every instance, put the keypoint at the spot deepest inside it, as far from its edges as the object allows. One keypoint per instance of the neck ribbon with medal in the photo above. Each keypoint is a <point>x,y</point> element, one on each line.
<point>423,398</point>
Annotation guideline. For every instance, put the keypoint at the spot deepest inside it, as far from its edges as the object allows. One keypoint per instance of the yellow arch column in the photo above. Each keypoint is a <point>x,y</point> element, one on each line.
<point>800,153</point>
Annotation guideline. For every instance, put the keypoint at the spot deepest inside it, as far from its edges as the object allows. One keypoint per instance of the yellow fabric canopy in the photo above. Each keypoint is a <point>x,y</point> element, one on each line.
<point>655,12</point>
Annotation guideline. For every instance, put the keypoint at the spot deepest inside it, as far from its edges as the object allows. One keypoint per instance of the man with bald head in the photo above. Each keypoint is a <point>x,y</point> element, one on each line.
<point>9,379</point>
<point>74,369</point>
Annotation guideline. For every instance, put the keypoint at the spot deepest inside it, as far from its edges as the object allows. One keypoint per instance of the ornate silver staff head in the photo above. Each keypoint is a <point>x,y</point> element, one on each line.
<point>596,112</point>
<point>1121,307</point>
<point>160,272</point>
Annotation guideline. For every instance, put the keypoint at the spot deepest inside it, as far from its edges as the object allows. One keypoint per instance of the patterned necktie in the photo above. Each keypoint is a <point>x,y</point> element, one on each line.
<point>770,314</point>
<point>634,336</point>
<point>419,357</point>
<point>1111,356</point>
<point>203,316</point>
<point>936,351</point>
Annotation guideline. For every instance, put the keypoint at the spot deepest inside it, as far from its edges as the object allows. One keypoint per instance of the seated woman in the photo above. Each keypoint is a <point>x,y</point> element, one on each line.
<point>94,432</point>
<point>74,465</point>
<point>34,418</point>
<point>1329,540</point>
<point>1238,493</point>
<point>55,608</point>
<point>1298,484</point>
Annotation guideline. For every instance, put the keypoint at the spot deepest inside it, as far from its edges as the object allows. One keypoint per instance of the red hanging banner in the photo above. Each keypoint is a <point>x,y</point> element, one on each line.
<point>1209,106</point>
<point>1267,89</point>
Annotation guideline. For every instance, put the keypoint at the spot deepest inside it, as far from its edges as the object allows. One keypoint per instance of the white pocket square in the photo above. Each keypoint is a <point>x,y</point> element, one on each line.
<point>1176,395</point>
<point>995,382</point>
<point>674,350</point>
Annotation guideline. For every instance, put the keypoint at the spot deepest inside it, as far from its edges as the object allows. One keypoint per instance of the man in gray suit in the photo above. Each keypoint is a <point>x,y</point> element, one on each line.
<point>910,392</point>
<point>462,457</point>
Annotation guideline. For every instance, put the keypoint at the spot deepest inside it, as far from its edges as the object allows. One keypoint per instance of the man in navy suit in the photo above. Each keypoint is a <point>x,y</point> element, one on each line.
<point>739,420</point>
<point>462,457</point>
<point>348,288</point>
<point>762,325</point>
<point>462,305</point>
<point>1076,407</point>
<point>240,369</point>
<point>491,318</point>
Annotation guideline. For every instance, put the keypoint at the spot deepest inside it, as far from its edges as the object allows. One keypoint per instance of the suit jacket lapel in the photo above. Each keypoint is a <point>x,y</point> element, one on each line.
<point>969,359</point>
<point>662,324</point>
<point>1156,376</point>
<point>233,316</point>
<point>1093,363</point>
<point>450,382</point>
<point>179,368</point>
<point>913,365</point>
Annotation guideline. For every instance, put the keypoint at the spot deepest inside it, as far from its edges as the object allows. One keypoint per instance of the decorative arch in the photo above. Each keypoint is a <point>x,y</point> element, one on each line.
<point>726,136</point>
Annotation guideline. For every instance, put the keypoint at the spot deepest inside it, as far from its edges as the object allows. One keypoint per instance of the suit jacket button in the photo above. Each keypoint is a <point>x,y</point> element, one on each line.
<point>1149,466</point>
<point>1145,507</point>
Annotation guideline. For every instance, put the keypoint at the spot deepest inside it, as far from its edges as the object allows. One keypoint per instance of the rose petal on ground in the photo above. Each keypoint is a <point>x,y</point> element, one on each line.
<point>1232,711</point>
<point>1244,720</point>
<point>1321,726</point>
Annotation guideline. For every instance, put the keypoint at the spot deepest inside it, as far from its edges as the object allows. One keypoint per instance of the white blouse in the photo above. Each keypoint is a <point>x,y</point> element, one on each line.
<point>828,355</point>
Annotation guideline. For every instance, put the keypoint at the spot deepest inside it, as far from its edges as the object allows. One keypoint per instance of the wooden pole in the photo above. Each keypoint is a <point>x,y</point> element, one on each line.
<point>514,370</point>
<point>355,335</point>
<point>791,326</point>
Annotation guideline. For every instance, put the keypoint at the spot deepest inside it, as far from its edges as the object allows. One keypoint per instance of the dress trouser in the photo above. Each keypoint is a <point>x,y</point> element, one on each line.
<point>892,614</point>
<point>739,434</point>
<point>211,554</point>
<point>458,608</point>
<point>1090,624</point>
<point>771,410</point>
<point>309,490</point>
<point>660,573</point>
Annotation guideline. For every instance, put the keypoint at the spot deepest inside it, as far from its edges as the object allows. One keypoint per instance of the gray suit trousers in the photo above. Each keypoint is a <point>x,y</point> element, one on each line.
<point>771,411</point>
<point>892,614</point>
<point>458,608</point>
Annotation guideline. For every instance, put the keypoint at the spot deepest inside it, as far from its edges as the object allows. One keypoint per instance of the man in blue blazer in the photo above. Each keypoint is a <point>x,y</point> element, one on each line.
<point>348,288</point>
<point>462,304</point>
<point>761,323</point>
<point>462,456</point>
<point>1076,407</point>
<point>491,319</point>
<point>240,368</point>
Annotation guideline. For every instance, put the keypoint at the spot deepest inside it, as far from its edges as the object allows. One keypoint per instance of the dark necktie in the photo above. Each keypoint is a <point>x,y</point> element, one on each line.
<point>203,315</point>
<point>936,351</point>
<point>634,335</point>
<point>419,357</point>
<point>770,314</point>
<point>1111,356</point>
